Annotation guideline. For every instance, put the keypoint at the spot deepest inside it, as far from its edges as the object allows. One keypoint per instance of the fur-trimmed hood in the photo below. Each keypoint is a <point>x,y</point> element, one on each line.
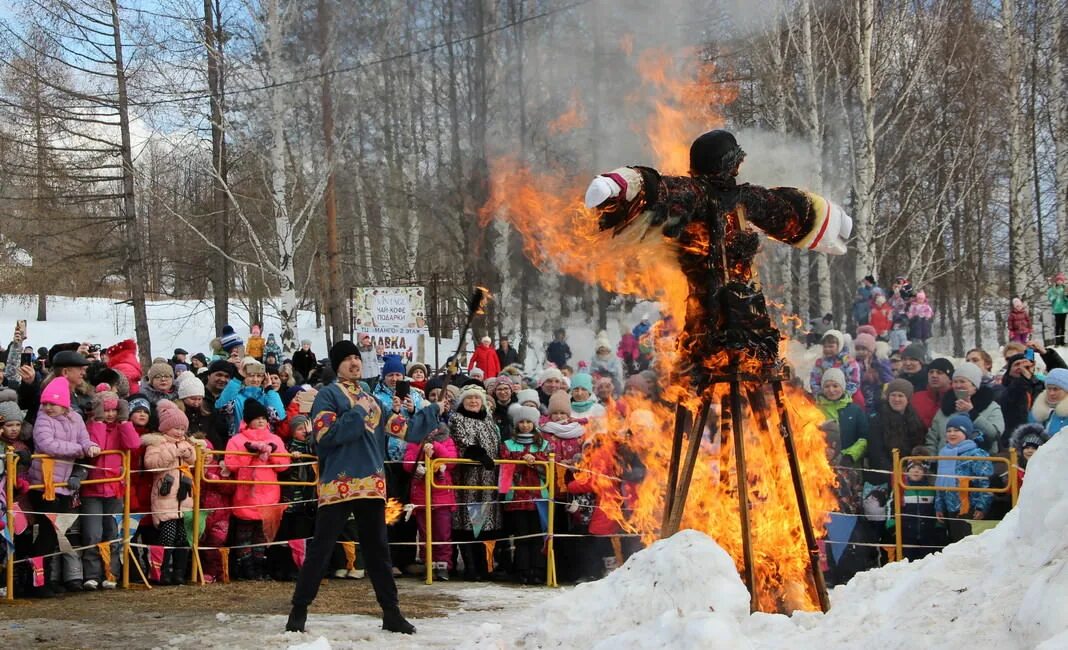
<point>151,439</point>
<point>1034,431</point>
<point>1042,410</point>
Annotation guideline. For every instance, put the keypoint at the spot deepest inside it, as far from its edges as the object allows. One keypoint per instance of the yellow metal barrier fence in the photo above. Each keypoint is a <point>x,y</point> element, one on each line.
<point>199,478</point>
<point>549,485</point>
<point>1012,486</point>
<point>11,464</point>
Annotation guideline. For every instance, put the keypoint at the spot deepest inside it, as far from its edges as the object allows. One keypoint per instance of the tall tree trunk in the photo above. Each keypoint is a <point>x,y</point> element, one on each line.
<point>1023,237</point>
<point>220,202</point>
<point>287,286</point>
<point>1058,108</point>
<point>135,269</point>
<point>865,157</point>
<point>332,298</point>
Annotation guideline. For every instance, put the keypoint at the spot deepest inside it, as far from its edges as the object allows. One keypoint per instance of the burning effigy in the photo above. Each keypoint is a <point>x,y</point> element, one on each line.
<point>727,352</point>
<point>688,242</point>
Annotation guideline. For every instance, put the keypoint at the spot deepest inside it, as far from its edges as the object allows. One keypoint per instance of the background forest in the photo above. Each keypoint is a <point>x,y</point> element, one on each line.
<point>284,151</point>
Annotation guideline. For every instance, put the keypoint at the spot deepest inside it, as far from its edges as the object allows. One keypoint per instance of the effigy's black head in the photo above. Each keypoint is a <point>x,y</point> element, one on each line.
<point>715,152</point>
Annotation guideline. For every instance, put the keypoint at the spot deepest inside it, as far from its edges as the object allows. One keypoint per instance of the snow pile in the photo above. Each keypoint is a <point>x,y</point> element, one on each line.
<point>682,591</point>
<point>1006,588</point>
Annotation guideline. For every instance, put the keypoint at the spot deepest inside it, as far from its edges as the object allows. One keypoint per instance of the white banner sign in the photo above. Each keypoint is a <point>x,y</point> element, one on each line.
<point>390,310</point>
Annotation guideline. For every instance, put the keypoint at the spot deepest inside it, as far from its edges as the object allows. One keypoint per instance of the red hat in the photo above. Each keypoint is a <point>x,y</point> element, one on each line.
<point>122,357</point>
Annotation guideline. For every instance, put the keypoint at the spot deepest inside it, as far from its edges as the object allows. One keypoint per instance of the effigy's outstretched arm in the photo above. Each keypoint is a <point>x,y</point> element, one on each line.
<point>796,217</point>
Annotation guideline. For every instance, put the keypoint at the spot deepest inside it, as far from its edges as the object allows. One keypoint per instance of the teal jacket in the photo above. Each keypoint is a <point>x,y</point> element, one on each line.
<point>1058,299</point>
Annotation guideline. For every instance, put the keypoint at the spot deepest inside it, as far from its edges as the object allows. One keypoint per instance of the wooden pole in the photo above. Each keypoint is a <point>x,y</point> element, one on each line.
<point>738,433</point>
<point>683,491</point>
<point>673,470</point>
<point>802,499</point>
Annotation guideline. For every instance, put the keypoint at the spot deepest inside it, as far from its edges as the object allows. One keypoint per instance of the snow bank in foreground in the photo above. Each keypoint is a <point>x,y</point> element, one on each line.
<point>1006,588</point>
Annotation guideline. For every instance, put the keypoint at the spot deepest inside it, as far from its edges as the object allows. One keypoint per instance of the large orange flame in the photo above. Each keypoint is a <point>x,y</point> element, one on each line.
<point>545,207</point>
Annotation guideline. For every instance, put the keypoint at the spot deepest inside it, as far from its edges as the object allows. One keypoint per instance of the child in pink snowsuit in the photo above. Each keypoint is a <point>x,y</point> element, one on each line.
<point>438,444</point>
<point>1019,322</point>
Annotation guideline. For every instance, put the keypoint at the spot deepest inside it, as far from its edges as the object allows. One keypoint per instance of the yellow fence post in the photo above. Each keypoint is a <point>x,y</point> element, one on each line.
<point>11,466</point>
<point>428,554</point>
<point>126,550</point>
<point>898,501</point>
<point>198,472</point>
<point>1014,476</point>
<point>550,478</point>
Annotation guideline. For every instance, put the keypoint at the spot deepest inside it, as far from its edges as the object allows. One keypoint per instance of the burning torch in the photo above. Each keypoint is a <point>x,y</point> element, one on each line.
<point>475,306</point>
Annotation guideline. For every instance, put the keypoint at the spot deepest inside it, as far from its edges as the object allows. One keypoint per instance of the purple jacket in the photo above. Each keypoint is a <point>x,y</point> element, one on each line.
<point>65,438</point>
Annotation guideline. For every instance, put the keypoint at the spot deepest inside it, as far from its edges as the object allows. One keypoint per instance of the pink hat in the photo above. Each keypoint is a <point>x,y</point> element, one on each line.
<point>866,341</point>
<point>170,416</point>
<point>1059,277</point>
<point>57,392</point>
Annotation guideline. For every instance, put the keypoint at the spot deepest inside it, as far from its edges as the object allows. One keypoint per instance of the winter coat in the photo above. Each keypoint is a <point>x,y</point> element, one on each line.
<point>166,456</point>
<point>231,403</point>
<point>842,360</point>
<point>631,471</point>
<point>874,375</point>
<point>899,338</point>
<point>509,357</point>
<point>1052,418</point>
<point>969,464</point>
<point>1019,322</point>
<point>251,502</point>
<point>351,443</point>
<point>891,430</point>
<point>299,498</point>
<point>122,357</point>
<point>254,347</point>
<point>882,318</point>
<point>918,524</point>
<point>852,425</point>
<point>304,362</point>
<point>154,396</point>
<point>609,366</point>
<point>485,357</point>
<point>558,353</point>
<point>469,431</point>
<point>920,315</point>
<point>272,347</point>
<point>985,416</point>
<point>525,475</point>
<point>927,402</point>
<point>116,435</point>
<point>439,496</point>
<point>862,305</point>
<point>215,499</point>
<point>1058,299</point>
<point>209,424</point>
<point>372,363</point>
<point>66,439</point>
<point>384,394</point>
<point>628,349</point>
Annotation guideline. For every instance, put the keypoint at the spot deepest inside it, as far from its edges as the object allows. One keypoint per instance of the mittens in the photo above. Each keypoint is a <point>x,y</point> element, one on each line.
<point>166,485</point>
<point>74,482</point>
<point>185,488</point>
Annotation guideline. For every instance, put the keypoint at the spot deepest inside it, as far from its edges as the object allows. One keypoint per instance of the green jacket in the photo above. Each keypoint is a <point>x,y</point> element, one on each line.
<point>852,424</point>
<point>1058,299</point>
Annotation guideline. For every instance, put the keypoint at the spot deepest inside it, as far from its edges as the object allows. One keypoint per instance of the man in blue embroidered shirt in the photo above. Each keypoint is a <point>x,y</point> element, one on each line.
<point>350,439</point>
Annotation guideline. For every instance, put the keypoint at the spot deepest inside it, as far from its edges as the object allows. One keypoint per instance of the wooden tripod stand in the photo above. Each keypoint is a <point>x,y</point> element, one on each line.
<point>680,471</point>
